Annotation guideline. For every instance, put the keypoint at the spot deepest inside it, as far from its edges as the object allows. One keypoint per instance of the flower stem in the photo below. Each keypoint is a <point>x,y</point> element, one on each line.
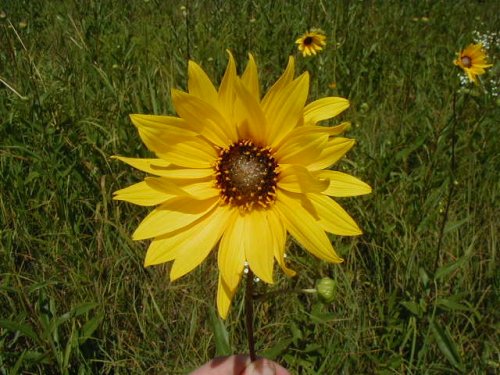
<point>451,189</point>
<point>249,314</point>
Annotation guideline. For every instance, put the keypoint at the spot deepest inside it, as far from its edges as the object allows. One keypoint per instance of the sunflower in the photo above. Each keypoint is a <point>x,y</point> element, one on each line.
<point>311,42</point>
<point>239,171</point>
<point>473,61</point>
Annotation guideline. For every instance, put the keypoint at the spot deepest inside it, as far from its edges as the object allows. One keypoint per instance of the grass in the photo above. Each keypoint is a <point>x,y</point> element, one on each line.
<point>418,292</point>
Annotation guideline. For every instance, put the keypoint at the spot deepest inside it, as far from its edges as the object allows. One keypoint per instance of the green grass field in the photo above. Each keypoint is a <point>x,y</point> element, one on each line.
<point>418,292</point>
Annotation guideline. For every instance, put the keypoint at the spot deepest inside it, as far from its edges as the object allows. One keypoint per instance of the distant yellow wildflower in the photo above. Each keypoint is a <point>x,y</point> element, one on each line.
<point>311,42</point>
<point>473,61</point>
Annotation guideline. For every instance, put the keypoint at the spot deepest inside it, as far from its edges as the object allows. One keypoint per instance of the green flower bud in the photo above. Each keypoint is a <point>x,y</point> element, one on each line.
<point>365,107</point>
<point>326,289</point>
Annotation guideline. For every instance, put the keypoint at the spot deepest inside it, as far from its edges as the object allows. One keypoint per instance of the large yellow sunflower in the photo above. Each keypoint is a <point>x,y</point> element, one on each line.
<point>473,61</point>
<point>240,170</point>
<point>311,42</point>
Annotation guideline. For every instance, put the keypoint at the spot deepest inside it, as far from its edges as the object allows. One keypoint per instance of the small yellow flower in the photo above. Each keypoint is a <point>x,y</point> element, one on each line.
<point>473,61</point>
<point>311,42</point>
<point>238,171</point>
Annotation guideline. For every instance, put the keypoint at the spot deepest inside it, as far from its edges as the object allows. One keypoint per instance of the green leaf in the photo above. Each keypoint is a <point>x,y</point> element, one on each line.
<point>40,285</point>
<point>413,307</point>
<point>89,327</point>
<point>452,305</point>
<point>222,346</point>
<point>27,358</point>
<point>78,310</point>
<point>424,277</point>
<point>319,315</point>
<point>278,349</point>
<point>296,332</point>
<point>36,357</point>
<point>70,344</point>
<point>446,345</point>
<point>451,226</point>
<point>313,347</point>
<point>449,268</point>
<point>83,308</point>
<point>22,328</point>
<point>416,144</point>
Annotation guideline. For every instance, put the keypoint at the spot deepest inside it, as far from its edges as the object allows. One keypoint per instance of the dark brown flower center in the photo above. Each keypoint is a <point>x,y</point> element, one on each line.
<point>246,175</point>
<point>308,41</point>
<point>466,61</point>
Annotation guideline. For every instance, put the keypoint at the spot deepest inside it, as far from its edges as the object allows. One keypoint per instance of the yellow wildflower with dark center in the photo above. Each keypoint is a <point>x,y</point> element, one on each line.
<point>238,171</point>
<point>311,42</point>
<point>473,61</point>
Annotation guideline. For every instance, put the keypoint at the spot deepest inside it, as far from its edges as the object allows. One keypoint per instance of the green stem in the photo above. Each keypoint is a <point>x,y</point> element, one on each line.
<point>269,295</point>
<point>451,189</point>
<point>249,314</point>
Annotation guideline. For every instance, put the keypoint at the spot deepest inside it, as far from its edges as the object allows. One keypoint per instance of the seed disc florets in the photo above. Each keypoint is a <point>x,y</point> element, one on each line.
<point>466,61</point>
<point>246,175</point>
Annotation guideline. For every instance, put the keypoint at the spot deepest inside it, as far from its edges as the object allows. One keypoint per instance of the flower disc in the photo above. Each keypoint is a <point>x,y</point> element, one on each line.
<point>246,175</point>
<point>466,61</point>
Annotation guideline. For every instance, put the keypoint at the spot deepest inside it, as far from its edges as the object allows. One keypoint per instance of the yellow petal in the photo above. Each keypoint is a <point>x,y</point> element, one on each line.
<point>336,149</point>
<point>338,129</point>
<point>175,172</point>
<point>342,184</point>
<point>203,238</point>
<point>253,118</point>
<point>302,149</point>
<point>231,257</point>
<point>332,217</point>
<point>163,249</point>
<point>305,228</point>
<point>160,167</point>
<point>226,90</point>
<point>204,117</point>
<point>302,131</point>
<point>153,141</point>
<point>156,131</point>
<point>198,190</point>
<point>200,85</point>
<point>285,109</point>
<point>173,215</point>
<point>298,179</point>
<point>304,144</point>
<point>163,185</point>
<point>145,165</point>
<point>202,190</point>
<point>141,194</point>
<point>225,295</point>
<point>324,109</point>
<point>284,80</point>
<point>250,78</point>
<point>258,242</point>
<point>279,237</point>
<point>190,245</point>
<point>161,124</point>
<point>471,75</point>
<point>190,152</point>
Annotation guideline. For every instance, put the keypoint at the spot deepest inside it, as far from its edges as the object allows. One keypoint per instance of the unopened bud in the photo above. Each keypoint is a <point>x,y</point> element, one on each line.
<point>365,107</point>
<point>326,289</point>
